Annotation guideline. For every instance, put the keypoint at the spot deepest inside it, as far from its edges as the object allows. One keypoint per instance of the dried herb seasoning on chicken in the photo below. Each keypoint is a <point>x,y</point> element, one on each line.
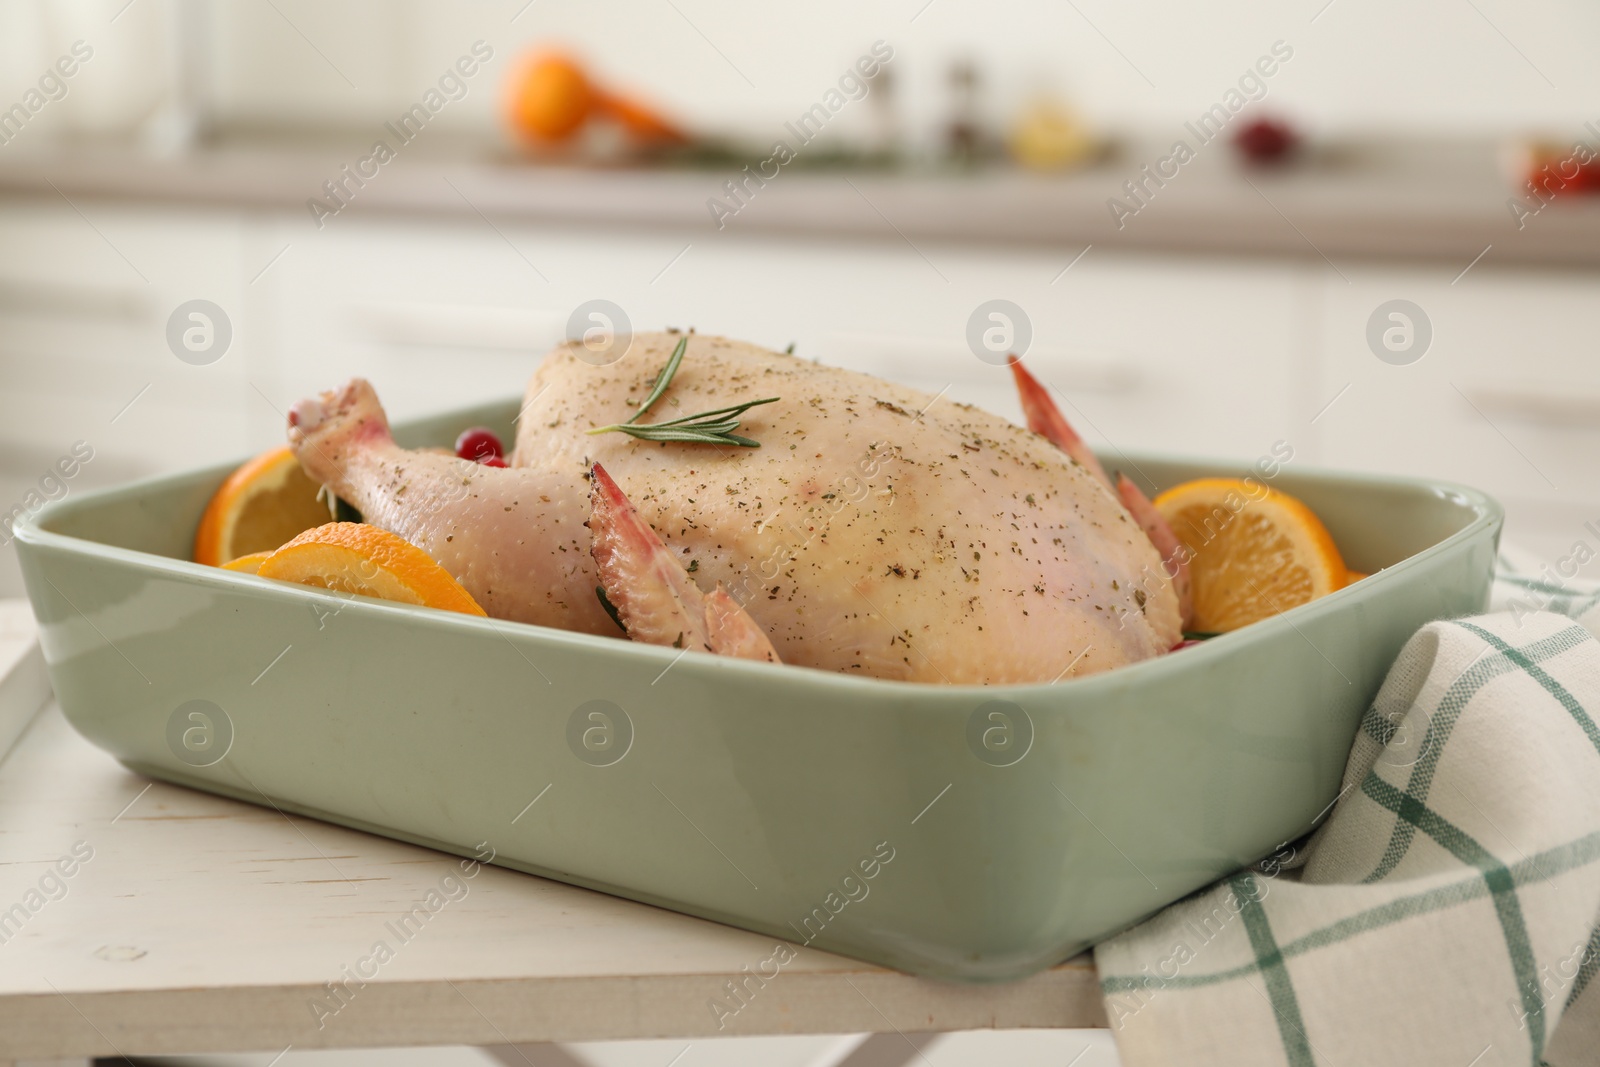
<point>877,530</point>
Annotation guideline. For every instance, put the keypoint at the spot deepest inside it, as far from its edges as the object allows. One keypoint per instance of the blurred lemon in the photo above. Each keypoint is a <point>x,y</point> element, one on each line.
<point>1048,136</point>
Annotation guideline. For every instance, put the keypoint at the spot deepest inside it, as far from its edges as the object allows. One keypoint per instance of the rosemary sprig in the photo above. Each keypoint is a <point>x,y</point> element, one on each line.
<point>719,413</point>
<point>707,428</point>
<point>663,379</point>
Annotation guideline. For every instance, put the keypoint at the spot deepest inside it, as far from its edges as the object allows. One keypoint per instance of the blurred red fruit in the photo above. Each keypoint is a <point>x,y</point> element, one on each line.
<point>1266,141</point>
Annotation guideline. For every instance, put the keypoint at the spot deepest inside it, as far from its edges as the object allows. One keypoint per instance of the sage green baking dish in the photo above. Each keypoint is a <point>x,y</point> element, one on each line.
<point>927,828</point>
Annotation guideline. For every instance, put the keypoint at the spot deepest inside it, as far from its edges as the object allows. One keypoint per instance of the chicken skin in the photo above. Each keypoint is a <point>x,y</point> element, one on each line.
<point>876,530</point>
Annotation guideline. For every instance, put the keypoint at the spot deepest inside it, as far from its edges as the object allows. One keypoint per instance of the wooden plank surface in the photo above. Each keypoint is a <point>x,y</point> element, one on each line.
<point>192,923</point>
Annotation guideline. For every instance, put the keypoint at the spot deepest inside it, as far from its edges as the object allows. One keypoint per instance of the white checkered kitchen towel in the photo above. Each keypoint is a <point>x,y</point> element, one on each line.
<point>1448,911</point>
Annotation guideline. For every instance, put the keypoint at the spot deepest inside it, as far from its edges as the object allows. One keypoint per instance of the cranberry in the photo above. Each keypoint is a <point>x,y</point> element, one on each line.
<point>492,461</point>
<point>479,444</point>
<point>1266,141</point>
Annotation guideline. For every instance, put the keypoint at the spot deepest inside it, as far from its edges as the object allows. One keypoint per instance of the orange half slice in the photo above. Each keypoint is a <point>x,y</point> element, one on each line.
<point>249,564</point>
<point>1254,552</point>
<point>353,557</point>
<point>261,505</point>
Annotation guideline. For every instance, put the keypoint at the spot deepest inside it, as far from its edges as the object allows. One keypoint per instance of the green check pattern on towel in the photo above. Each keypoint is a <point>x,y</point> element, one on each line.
<point>1448,910</point>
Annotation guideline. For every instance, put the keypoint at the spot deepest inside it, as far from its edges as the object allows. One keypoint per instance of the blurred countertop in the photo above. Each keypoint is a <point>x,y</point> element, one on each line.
<point>1440,201</point>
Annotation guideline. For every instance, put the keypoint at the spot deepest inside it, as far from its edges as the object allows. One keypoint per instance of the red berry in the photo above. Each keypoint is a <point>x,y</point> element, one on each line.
<point>1266,140</point>
<point>1187,642</point>
<point>479,444</point>
<point>492,461</point>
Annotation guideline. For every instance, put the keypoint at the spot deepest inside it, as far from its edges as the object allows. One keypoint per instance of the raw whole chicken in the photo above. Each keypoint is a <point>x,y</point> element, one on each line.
<point>877,530</point>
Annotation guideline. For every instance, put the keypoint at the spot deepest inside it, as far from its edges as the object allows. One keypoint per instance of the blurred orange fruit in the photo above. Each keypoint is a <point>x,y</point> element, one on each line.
<point>1254,552</point>
<point>352,557</point>
<point>260,506</point>
<point>550,97</point>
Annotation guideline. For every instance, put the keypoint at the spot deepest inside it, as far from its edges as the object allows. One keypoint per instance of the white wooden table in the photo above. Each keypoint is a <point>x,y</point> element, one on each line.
<point>205,925</point>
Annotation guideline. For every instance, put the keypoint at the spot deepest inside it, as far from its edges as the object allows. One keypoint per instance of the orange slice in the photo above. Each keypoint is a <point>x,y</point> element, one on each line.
<point>247,564</point>
<point>1352,577</point>
<point>352,557</point>
<point>260,506</point>
<point>1254,552</point>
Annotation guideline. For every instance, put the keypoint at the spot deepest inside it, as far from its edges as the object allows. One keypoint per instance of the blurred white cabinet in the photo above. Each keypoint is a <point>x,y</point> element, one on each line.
<point>1506,398</point>
<point>84,303</point>
<point>1150,353</point>
<point>1143,353</point>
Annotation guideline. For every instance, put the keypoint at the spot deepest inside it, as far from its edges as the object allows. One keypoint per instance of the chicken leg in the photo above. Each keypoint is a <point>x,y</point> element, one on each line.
<point>514,538</point>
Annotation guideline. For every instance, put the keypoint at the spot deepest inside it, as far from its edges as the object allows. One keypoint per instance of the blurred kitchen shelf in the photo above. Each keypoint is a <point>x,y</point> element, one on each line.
<point>1429,200</point>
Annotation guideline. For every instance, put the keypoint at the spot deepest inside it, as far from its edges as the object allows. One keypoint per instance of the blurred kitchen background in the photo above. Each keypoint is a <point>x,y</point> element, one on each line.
<point>939,155</point>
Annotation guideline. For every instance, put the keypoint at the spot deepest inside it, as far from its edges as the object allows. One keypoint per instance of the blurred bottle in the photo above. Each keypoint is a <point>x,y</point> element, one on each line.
<point>885,136</point>
<point>183,117</point>
<point>963,132</point>
<point>1048,135</point>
